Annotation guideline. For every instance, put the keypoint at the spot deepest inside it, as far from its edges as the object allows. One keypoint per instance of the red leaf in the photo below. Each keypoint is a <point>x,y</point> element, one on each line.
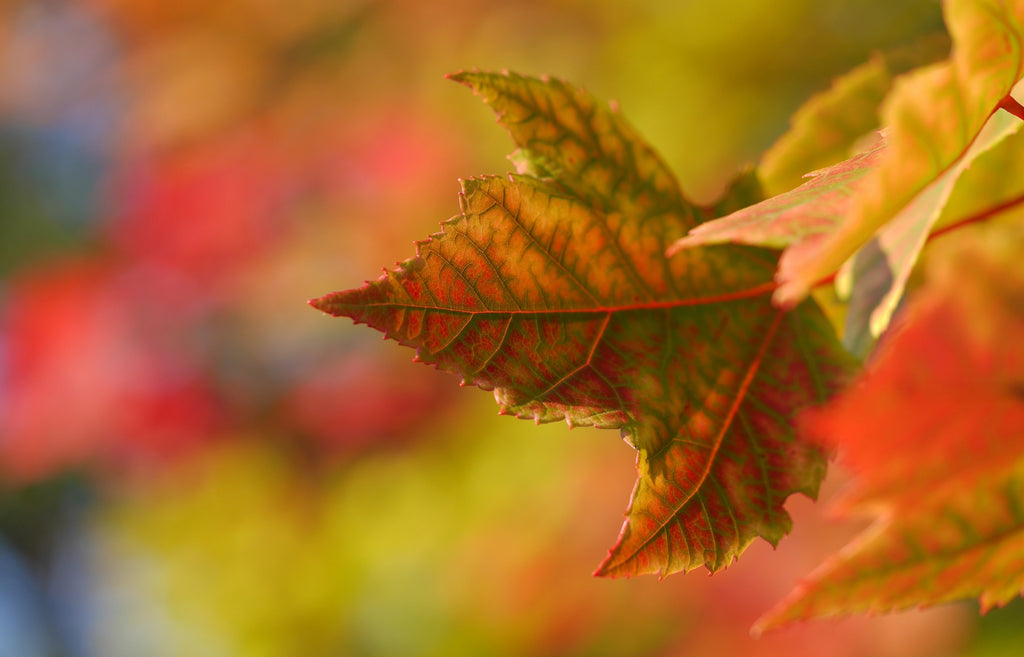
<point>90,376</point>
<point>932,431</point>
<point>203,212</point>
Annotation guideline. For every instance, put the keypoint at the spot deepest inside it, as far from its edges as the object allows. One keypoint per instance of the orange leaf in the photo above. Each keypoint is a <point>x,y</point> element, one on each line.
<point>932,431</point>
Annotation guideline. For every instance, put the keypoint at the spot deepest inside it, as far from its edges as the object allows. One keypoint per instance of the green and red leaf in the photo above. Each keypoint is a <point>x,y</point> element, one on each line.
<point>796,220</point>
<point>552,290</point>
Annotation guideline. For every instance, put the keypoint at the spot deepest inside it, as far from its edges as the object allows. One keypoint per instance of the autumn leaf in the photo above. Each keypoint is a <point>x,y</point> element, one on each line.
<point>932,432</point>
<point>877,276</point>
<point>801,219</point>
<point>551,289</point>
<point>933,115</point>
<point>937,121</point>
<point>796,220</point>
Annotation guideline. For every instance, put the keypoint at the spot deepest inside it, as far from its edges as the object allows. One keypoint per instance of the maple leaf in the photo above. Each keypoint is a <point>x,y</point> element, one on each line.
<point>552,290</point>
<point>932,432</point>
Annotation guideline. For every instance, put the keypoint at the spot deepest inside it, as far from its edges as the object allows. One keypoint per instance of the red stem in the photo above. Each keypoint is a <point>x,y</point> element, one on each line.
<point>1010,104</point>
<point>981,216</point>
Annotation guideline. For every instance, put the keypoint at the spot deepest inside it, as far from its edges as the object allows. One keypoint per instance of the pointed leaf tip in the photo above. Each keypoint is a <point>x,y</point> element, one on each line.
<point>460,77</point>
<point>321,304</point>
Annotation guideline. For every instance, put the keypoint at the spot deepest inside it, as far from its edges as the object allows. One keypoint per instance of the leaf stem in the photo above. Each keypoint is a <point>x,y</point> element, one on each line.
<point>980,216</point>
<point>1010,104</point>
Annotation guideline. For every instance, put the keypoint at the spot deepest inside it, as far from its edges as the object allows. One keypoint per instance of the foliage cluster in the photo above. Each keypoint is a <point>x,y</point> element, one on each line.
<point>587,288</point>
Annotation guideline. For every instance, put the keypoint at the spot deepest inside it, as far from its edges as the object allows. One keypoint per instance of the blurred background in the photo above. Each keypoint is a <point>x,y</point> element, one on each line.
<point>193,462</point>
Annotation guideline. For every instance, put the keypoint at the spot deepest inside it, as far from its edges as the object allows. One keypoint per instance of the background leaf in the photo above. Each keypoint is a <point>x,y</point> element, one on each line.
<point>895,248</point>
<point>796,220</point>
<point>826,129</point>
<point>933,117</point>
<point>931,431</point>
<point>801,219</point>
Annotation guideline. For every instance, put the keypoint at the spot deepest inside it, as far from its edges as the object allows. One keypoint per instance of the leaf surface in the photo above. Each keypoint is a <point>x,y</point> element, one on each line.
<point>551,288</point>
<point>992,184</point>
<point>801,219</point>
<point>932,432</point>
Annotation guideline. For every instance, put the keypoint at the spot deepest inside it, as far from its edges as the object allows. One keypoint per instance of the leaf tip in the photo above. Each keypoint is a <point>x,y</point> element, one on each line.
<point>676,247</point>
<point>462,77</point>
<point>329,304</point>
<point>789,294</point>
<point>769,622</point>
<point>686,242</point>
<point>320,304</point>
<point>763,624</point>
<point>602,568</point>
<point>612,565</point>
